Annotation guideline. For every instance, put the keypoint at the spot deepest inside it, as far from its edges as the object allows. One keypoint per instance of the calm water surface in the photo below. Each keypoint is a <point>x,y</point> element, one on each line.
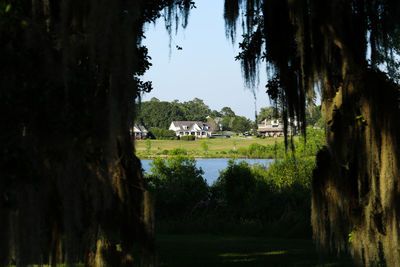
<point>211,167</point>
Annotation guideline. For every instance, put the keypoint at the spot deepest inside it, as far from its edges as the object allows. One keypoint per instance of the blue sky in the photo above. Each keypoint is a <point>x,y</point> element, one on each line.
<point>205,68</point>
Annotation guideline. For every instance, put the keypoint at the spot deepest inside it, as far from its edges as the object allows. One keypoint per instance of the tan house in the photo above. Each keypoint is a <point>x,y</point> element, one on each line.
<point>274,128</point>
<point>197,128</point>
<point>139,132</point>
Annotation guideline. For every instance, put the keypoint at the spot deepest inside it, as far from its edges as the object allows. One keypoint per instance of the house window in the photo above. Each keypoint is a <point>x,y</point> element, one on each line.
<point>198,133</point>
<point>186,133</point>
<point>192,133</point>
<point>203,133</point>
<point>180,133</point>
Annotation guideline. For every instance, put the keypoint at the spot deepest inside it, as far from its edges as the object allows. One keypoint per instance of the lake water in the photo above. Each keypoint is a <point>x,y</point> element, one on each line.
<point>211,167</point>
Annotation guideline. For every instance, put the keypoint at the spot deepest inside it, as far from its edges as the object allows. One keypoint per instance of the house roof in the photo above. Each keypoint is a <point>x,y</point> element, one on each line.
<point>139,128</point>
<point>189,124</point>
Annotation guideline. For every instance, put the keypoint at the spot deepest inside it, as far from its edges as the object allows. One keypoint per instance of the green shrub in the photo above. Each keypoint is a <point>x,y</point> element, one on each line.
<point>188,138</point>
<point>177,151</point>
<point>178,186</point>
<point>163,134</point>
<point>279,193</point>
<point>256,150</point>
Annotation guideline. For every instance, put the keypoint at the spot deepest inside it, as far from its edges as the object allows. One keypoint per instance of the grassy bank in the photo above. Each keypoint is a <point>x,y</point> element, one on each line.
<point>213,250</point>
<point>249,147</point>
<point>216,148</point>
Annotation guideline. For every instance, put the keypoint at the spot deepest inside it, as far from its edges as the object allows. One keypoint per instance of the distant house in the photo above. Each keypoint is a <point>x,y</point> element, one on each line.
<point>139,132</point>
<point>274,128</point>
<point>197,128</point>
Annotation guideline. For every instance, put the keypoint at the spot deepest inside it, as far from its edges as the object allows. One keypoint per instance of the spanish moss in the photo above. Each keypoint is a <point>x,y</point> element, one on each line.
<point>72,189</point>
<point>350,51</point>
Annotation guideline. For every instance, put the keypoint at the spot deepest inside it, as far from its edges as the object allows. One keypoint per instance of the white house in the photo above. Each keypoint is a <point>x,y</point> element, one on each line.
<point>274,128</point>
<point>139,131</point>
<point>197,128</point>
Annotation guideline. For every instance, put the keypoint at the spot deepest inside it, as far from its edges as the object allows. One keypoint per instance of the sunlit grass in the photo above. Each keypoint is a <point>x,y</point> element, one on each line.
<point>216,147</point>
<point>266,253</point>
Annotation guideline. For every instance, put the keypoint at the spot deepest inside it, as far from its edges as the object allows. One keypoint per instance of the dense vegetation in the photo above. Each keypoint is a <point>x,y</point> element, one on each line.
<point>263,199</point>
<point>266,200</point>
<point>160,114</point>
<point>348,51</point>
<point>71,189</point>
<point>162,134</point>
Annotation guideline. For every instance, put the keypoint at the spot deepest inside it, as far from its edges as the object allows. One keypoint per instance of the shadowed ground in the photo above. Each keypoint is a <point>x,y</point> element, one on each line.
<point>210,250</point>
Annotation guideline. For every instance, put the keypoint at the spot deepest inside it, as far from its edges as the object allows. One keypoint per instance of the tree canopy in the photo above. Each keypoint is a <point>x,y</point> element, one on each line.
<point>348,50</point>
<point>71,188</point>
<point>156,113</point>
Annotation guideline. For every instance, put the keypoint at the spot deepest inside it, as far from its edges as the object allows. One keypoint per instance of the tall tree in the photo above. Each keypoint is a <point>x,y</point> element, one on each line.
<point>71,189</point>
<point>196,110</point>
<point>160,114</point>
<point>268,113</point>
<point>348,49</point>
<point>241,124</point>
<point>227,112</point>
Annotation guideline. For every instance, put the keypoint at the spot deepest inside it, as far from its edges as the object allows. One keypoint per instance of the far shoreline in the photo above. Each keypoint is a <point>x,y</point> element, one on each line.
<point>200,157</point>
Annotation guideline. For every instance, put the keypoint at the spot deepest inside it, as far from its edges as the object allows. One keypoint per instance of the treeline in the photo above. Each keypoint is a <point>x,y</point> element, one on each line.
<point>245,199</point>
<point>160,114</point>
<point>313,115</point>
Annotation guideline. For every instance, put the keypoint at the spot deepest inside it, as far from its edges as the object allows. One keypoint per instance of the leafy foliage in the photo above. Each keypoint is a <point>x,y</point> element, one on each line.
<point>242,194</point>
<point>188,138</point>
<point>160,114</point>
<point>163,134</point>
<point>280,192</point>
<point>348,51</point>
<point>70,78</point>
<point>178,186</point>
<point>268,113</point>
<point>241,124</point>
<point>301,148</point>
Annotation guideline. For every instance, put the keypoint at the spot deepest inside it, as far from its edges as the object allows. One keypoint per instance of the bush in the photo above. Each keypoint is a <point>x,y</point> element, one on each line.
<point>188,138</point>
<point>178,186</point>
<point>256,150</point>
<point>177,151</point>
<point>163,134</point>
<point>277,194</point>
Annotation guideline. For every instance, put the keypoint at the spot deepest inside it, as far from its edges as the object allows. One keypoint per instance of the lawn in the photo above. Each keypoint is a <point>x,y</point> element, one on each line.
<point>212,250</point>
<point>215,146</point>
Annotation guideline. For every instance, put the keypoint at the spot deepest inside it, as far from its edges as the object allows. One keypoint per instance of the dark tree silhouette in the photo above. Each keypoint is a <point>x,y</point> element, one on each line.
<point>71,189</point>
<point>347,49</point>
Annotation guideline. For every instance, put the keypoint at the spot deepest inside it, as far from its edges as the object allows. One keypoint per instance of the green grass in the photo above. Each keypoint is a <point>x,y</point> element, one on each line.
<point>213,250</point>
<point>217,148</point>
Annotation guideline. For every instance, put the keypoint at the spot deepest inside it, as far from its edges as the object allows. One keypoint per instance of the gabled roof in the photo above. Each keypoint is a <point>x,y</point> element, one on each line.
<point>139,128</point>
<point>189,124</point>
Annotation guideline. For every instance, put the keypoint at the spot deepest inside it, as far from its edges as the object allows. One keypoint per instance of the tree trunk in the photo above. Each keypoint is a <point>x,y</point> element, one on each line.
<point>356,190</point>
